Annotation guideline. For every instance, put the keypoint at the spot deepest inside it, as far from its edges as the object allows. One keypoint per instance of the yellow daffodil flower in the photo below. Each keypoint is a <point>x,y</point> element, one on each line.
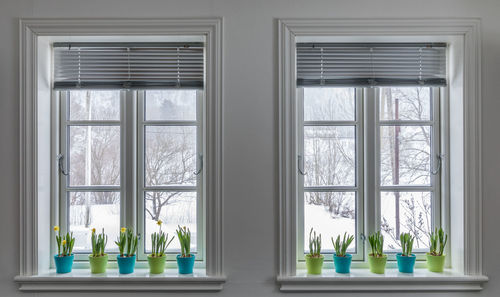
<point>93,230</point>
<point>56,228</point>
<point>123,229</point>
<point>159,223</point>
<point>64,242</point>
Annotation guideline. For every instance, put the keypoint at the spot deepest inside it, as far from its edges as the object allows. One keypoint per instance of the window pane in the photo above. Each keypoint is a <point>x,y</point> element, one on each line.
<point>94,155</point>
<point>94,105</point>
<point>406,212</point>
<point>405,155</point>
<point>170,155</point>
<point>171,105</point>
<point>410,103</point>
<point>330,155</point>
<point>97,210</point>
<point>330,214</point>
<point>329,104</point>
<point>173,209</point>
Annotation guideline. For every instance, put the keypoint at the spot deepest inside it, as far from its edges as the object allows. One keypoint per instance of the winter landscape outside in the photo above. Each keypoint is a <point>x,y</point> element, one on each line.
<point>94,162</point>
<point>330,161</point>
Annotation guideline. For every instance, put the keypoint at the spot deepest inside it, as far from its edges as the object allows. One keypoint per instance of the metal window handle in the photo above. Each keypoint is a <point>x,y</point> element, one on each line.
<point>300,165</point>
<point>440,161</point>
<point>60,158</point>
<point>198,171</point>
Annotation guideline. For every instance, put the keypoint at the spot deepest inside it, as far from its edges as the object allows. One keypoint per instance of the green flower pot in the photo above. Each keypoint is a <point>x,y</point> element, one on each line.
<point>435,263</point>
<point>156,264</point>
<point>98,264</point>
<point>314,265</point>
<point>377,264</point>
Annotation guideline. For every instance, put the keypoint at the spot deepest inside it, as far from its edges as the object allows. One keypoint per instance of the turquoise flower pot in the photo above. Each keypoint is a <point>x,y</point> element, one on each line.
<point>64,264</point>
<point>185,264</point>
<point>342,264</point>
<point>406,264</point>
<point>126,264</point>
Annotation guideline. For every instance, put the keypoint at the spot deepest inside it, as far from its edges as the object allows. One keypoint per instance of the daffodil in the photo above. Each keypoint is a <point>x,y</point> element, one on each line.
<point>159,223</point>
<point>56,228</point>
<point>123,229</point>
<point>93,230</point>
<point>64,242</point>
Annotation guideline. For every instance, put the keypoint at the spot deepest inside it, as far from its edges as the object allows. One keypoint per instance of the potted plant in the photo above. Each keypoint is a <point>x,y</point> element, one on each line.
<point>377,259</point>
<point>341,259</point>
<point>159,243</point>
<point>126,258</point>
<point>185,261</point>
<point>64,258</point>
<point>406,260</point>
<point>314,260</point>
<point>98,260</point>
<point>435,257</point>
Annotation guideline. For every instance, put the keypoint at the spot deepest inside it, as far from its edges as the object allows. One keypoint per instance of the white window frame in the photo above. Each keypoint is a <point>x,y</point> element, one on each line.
<point>38,137</point>
<point>464,173</point>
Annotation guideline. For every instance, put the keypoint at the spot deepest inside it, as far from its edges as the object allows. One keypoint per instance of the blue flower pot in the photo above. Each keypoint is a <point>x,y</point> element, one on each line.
<point>64,264</point>
<point>342,264</point>
<point>185,264</point>
<point>406,263</point>
<point>126,264</point>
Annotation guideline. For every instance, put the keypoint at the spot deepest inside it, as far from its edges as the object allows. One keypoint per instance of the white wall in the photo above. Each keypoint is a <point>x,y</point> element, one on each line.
<point>250,120</point>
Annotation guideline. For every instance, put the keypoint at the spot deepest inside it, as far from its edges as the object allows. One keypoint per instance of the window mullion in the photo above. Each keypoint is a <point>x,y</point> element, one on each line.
<point>371,166</point>
<point>300,178</point>
<point>128,157</point>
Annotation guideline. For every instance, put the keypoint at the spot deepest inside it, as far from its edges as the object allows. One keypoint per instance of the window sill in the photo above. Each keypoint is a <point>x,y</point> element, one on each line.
<point>140,280</point>
<point>364,281</point>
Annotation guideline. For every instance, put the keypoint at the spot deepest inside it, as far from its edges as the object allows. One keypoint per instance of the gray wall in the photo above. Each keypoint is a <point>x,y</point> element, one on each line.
<point>250,119</point>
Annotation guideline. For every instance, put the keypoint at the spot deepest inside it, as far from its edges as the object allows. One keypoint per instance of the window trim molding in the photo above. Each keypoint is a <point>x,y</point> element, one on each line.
<point>32,31</point>
<point>466,28</point>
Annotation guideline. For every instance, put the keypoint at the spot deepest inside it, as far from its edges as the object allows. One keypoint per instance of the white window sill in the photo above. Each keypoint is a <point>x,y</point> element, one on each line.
<point>140,280</point>
<point>365,281</point>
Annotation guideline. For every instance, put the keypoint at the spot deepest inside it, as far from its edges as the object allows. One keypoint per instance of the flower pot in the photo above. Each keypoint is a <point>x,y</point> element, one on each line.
<point>126,264</point>
<point>156,264</point>
<point>185,264</point>
<point>314,264</point>
<point>377,264</point>
<point>435,263</point>
<point>98,264</point>
<point>64,263</point>
<point>406,263</point>
<point>342,264</point>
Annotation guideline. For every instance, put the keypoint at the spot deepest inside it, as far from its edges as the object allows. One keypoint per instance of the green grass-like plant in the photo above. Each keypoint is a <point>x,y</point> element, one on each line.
<point>438,239</point>
<point>406,244</point>
<point>377,244</point>
<point>65,243</point>
<point>314,244</point>
<point>98,243</point>
<point>159,242</point>
<point>184,235</point>
<point>127,240</point>
<point>341,246</point>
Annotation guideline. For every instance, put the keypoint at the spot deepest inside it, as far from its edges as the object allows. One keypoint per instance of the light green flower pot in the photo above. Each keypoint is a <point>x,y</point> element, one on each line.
<point>314,265</point>
<point>377,264</point>
<point>98,264</point>
<point>435,263</point>
<point>156,264</point>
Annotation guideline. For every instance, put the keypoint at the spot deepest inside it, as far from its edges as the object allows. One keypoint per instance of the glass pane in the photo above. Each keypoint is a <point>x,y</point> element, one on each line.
<point>170,155</point>
<point>330,155</point>
<point>329,104</point>
<point>406,212</point>
<point>173,209</point>
<point>405,155</point>
<point>409,103</point>
<point>171,105</point>
<point>94,105</point>
<point>97,210</point>
<point>94,155</point>
<point>330,214</point>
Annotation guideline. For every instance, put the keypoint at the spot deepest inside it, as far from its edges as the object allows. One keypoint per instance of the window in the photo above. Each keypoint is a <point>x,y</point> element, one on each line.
<point>372,115</point>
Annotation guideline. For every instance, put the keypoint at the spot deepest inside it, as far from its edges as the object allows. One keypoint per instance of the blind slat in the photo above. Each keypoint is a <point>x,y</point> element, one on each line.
<point>128,65</point>
<point>371,64</point>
